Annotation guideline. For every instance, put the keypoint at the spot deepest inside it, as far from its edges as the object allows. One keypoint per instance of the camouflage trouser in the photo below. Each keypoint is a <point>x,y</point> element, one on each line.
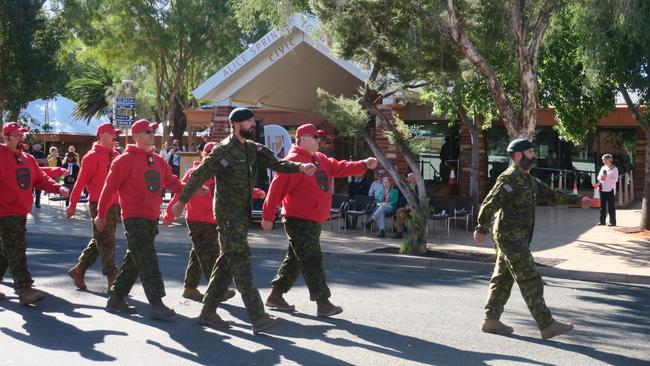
<point>515,263</point>
<point>303,256</point>
<point>13,250</point>
<point>140,260</point>
<point>234,262</point>
<point>402,214</point>
<point>204,253</point>
<point>103,242</point>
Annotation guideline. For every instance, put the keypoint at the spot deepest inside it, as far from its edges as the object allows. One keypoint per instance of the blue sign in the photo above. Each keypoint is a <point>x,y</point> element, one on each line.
<point>124,105</point>
<point>124,100</point>
<point>122,118</point>
<point>107,111</point>
<point>124,123</point>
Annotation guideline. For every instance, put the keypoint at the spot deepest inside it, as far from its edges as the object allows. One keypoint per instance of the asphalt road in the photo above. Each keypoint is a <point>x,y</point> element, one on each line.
<point>392,316</point>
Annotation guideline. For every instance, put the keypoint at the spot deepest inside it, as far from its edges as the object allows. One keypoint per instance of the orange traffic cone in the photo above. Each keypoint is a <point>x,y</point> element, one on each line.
<point>575,192</point>
<point>452,177</point>
<point>595,203</point>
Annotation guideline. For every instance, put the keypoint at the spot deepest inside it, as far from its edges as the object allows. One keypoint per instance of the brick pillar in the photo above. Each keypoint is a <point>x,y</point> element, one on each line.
<point>390,151</point>
<point>328,145</point>
<point>220,128</point>
<point>466,163</point>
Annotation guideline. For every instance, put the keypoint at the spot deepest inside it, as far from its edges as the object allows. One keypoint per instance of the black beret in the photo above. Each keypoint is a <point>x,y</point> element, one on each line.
<point>519,145</point>
<point>240,114</point>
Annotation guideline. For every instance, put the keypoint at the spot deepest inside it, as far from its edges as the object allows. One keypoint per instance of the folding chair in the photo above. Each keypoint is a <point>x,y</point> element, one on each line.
<point>361,207</point>
<point>338,209</point>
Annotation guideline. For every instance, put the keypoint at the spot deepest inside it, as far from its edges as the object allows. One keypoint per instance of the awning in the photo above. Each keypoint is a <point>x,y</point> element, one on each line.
<point>282,70</point>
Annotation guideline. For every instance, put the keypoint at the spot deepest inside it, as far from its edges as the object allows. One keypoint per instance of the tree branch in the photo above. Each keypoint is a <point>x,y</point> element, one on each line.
<point>634,109</point>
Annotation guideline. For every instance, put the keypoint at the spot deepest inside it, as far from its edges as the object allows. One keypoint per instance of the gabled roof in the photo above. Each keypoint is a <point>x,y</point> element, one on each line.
<point>283,70</point>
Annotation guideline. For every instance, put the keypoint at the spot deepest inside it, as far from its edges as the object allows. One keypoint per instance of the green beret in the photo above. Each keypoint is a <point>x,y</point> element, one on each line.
<point>240,114</point>
<point>519,145</point>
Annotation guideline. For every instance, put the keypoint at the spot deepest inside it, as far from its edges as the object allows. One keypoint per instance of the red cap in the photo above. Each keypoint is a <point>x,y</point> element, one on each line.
<point>13,127</point>
<point>208,147</point>
<point>309,129</point>
<point>142,125</point>
<point>107,127</point>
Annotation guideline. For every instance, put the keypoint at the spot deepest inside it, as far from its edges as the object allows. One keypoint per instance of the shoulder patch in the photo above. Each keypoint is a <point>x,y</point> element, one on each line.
<point>259,148</point>
<point>508,188</point>
<point>223,163</point>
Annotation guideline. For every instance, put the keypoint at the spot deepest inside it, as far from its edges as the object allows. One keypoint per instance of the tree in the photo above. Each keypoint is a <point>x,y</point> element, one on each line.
<point>460,22</point>
<point>176,44</point>
<point>29,42</point>
<point>92,92</point>
<point>615,48</point>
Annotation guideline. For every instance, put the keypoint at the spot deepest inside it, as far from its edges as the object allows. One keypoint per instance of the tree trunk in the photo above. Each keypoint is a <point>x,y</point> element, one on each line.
<point>645,207</point>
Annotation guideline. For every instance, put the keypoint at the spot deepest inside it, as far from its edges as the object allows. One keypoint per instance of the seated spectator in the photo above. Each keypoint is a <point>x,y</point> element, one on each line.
<point>404,210</point>
<point>376,186</point>
<point>386,205</point>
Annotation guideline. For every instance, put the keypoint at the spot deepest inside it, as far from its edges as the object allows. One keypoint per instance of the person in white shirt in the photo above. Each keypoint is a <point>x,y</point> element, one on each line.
<point>377,186</point>
<point>607,177</point>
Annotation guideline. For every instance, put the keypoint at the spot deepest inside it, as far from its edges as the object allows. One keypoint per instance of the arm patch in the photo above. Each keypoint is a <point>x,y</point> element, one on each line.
<point>508,188</point>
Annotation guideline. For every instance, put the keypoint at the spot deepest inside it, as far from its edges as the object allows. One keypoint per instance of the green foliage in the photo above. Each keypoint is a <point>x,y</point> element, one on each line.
<point>345,114</point>
<point>579,101</point>
<point>91,92</point>
<point>403,136</point>
<point>30,41</point>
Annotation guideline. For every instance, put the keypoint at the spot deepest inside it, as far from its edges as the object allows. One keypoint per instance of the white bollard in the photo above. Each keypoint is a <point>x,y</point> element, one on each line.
<point>620,192</point>
<point>552,182</point>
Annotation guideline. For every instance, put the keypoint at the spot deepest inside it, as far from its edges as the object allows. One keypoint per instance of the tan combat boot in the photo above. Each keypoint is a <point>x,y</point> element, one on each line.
<point>495,327</point>
<point>28,295</point>
<point>77,274</point>
<point>556,329</point>
<point>326,309</point>
<point>275,301</point>
<point>117,305</point>
<point>213,320</point>
<point>161,312</point>
<point>192,294</point>
<point>263,323</point>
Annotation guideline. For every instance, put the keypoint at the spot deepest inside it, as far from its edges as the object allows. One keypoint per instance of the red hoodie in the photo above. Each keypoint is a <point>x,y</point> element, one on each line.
<point>20,174</point>
<point>200,208</point>
<point>306,197</point>
<point>138,177</point>
<point>93,173</point>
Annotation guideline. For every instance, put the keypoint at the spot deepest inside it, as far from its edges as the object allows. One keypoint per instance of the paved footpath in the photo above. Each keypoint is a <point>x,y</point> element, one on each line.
<point>567,236</point>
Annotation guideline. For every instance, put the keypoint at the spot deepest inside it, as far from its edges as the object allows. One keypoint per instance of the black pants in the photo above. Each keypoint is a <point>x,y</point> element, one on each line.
<point>608,205</point>
<point>37,197</point>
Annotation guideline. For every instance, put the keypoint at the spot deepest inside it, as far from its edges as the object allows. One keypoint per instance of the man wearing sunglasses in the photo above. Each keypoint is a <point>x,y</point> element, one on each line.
<point>306,203</point>
<point>234,163</point>
<point>20,174</point>
<point>138,176</point>
<point>92,176</point>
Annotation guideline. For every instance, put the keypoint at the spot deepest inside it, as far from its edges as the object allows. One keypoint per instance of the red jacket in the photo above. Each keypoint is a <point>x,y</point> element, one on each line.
<point>200,208</point>
<point>138,177</point>
<point>306,197</point>
<point>53,172</point>
<point>93,173</point>
<point>20,174</point>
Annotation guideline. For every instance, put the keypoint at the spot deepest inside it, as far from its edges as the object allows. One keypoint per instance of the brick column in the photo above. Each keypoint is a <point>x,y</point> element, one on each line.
<point>466,163</point>
<point>220,128</point>
<point>390,151</point>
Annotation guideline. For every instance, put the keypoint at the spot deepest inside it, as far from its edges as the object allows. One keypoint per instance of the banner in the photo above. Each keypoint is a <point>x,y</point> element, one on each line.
<point>278,140</point>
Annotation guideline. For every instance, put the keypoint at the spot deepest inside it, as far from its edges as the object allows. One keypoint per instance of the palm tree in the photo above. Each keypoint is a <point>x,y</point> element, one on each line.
<point>92,92</point>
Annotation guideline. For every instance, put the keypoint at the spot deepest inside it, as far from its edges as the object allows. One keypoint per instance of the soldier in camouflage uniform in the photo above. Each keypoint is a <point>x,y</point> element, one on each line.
<point>138,177</point>
<point>203,230</point>
<point>234,163</point>
<point>306,203</point>
<point>512,200</point>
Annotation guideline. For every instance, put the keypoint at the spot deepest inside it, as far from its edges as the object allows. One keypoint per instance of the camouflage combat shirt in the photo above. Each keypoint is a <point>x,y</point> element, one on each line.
<point>234,166</point>
<point>512,200</point>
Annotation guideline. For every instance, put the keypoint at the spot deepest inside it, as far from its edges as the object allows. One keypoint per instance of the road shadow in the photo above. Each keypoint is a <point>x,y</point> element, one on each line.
<point>394,344</point>
<point>42,329</point>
